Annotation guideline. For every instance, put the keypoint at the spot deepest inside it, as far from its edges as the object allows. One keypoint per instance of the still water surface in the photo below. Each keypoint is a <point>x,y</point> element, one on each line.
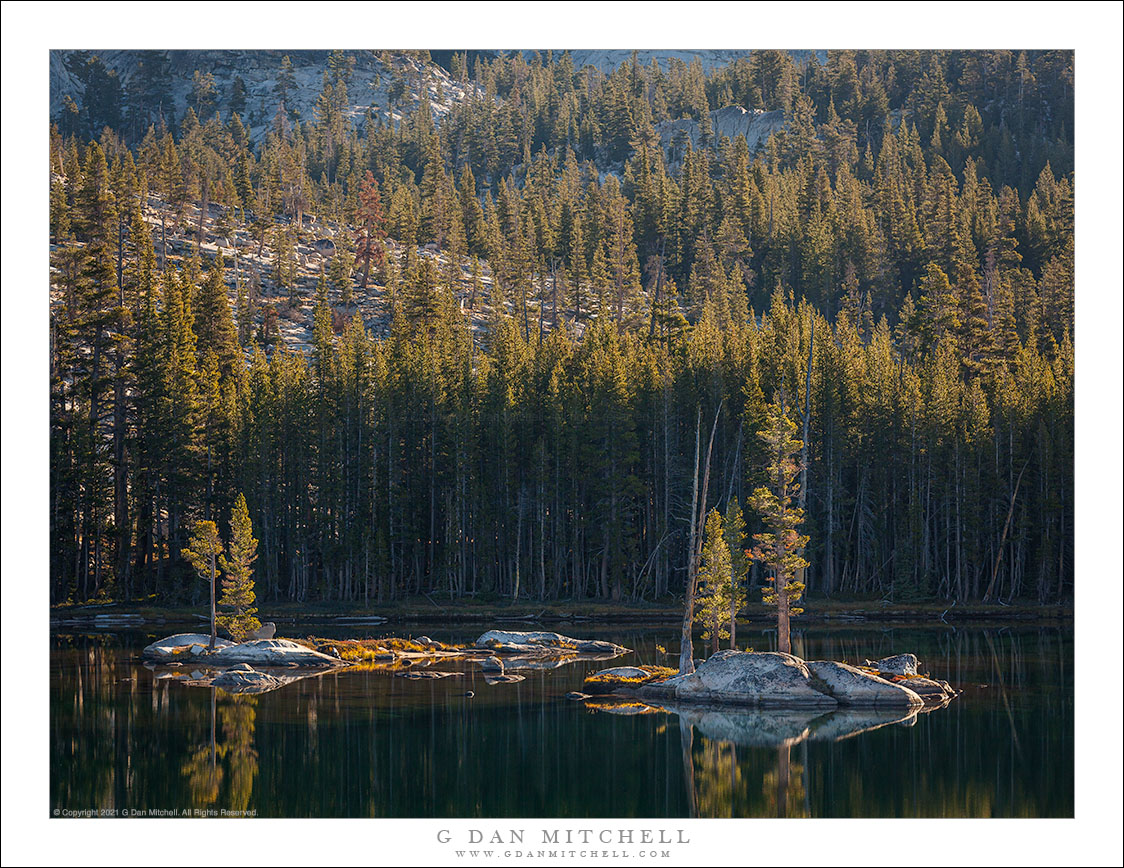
<point>368,744</point>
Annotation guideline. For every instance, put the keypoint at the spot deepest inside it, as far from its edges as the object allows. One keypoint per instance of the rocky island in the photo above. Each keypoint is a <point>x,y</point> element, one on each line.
<point>230,665</point>
<point>772,680</point>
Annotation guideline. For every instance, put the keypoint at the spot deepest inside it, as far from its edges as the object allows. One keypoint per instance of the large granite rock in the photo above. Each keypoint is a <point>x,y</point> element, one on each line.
<point>542,642</point>
<point>899,664</point>
<point>170,647</point>
<point>266,631</point>
<point>763,680</point>
<point>853,687</point>
<point>268,652</point>
<point>272,652</point>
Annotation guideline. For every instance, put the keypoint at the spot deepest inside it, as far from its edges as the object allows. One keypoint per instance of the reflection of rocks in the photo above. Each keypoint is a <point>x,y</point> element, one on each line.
<point>773,728</point>
<point>544,643</point>
<point>244,679</point>
<point>853,687</point>
<point>492,664</point>
<point>431,674</point>
<point>766,680</point>
<point>932,690</point>
<point>848,723</point>
<point>492,678</point>
<point>749,728</point>
<point>238,679</point>
<point>542,664</point>
<point>626,709</point>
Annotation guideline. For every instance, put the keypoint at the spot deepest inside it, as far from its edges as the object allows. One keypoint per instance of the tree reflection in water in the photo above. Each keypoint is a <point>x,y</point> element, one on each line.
<point>364,743</point>
<point>229,754</point>
<point>720,782</point>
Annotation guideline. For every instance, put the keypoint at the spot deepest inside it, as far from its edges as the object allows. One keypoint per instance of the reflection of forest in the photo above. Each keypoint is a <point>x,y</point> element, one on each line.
<point>228,755</point>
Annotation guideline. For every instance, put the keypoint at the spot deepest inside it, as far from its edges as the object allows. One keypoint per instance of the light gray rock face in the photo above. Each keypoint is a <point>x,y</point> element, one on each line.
<point>266,631</point>
<point>272,652</point>
<point>899,664</point>
<point>764,680</point>
<point>543,642</point>
<point>730,121</point>
<point>853,687</point>
<point>169,647</point>
<point>245,681</point>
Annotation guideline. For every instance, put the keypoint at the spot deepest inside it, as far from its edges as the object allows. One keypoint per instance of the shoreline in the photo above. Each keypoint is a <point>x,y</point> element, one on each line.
<point>424,610</point>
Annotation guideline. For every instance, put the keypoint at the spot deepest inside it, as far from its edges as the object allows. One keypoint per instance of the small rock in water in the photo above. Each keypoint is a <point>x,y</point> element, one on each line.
<point>424,640</point>
<point>241,667</point>
<point>492,664</point>
<point>580,697</point>
<point>899,664</point>
<point>469,695</point>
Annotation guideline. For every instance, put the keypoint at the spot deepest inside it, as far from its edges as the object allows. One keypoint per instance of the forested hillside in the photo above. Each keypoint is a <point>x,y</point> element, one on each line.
<point>459,341</point>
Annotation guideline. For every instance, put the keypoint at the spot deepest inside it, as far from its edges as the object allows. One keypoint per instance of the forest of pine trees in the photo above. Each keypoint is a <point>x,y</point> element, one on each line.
<point>564,301</point>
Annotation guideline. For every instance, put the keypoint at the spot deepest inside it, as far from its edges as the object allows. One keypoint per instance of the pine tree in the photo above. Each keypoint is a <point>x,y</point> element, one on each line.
<point>238,571</point>
<point>371,233</point>
<point>202,552</point>
<point>778,548</point>
<point>713,599</point>
<point>733,528</point>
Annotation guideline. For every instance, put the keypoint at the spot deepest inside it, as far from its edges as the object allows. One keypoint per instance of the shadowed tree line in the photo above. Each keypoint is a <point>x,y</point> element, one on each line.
<point>548,453</point>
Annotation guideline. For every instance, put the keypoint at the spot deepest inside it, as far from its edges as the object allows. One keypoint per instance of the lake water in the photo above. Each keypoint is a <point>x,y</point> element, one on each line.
<point>368,744</point>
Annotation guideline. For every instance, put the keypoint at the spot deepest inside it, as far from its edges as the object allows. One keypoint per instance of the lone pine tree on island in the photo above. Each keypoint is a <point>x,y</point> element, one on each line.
<point>238,572</point>
<point>779,548</point>
<point>202,552</point>
<point>205,553</point>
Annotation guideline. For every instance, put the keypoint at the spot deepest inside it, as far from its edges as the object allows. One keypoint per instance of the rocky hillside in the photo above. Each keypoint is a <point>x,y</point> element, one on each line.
<point>371,84</point>
<point>730,121</point>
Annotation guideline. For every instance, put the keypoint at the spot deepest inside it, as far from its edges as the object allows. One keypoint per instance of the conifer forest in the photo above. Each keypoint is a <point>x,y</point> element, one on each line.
<point>451,323</point>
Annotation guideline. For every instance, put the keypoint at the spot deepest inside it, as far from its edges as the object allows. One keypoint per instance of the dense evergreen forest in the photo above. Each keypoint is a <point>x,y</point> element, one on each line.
<point>534,293</point>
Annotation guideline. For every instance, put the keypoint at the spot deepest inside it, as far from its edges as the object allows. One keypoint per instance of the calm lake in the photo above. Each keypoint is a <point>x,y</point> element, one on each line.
<point>357,743</point>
